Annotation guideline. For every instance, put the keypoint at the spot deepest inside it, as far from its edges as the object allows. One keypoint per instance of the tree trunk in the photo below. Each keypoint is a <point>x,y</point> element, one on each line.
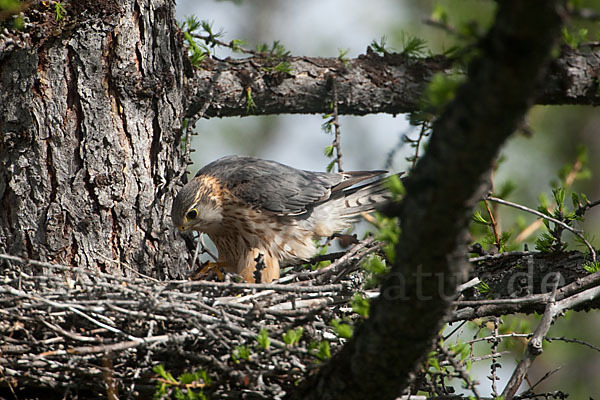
<point>90,116</point>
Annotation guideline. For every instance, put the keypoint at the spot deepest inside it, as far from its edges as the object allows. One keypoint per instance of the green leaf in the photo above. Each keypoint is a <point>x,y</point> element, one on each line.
<point>160,370</point>
<point>375,265</point>
<point>330,166</point>
<point>277,50</point>
<point>60,10</point>
<point>506,189</point>
<point>547,243</point>
<point>380,47</point>
<point>559,197</point>
<point>477,217</point>
<point>412,46</point>
<point>484,288</point>
<point>441,91</point>
<point>575,200</point>
<point>342,55</point>
<point>187,377</point>
<point>250,105</point>
<point>361,305</point>
<point>241,353</point>
<point>324,352</point>
<point>440,14</point>
<point>591,267</point>
<point>342,329</point>
<point>191,23</point>
<point>328,151</point>
<point>292,337</point>
<point>284,67</point>
<point>263,339</point>
<point>504,237</point>
<point>434,363</point>
<point>395,185</point>
<point>574,39</point>
<point>236,45</point>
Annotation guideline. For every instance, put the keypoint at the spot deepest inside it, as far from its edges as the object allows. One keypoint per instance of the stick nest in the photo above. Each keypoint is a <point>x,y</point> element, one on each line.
<point>77,332</point>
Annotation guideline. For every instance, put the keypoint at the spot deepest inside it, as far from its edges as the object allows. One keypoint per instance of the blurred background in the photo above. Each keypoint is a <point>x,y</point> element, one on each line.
<point>530,160</point>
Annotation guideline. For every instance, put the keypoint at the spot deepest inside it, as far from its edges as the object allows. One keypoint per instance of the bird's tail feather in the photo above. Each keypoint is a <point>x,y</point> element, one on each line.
<point>366,198</point>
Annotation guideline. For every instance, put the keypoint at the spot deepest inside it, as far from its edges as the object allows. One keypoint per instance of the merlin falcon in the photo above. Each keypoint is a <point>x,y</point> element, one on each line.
<point>249,206</point>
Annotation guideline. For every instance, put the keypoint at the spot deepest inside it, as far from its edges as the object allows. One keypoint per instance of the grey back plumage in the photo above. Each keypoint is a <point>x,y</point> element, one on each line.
<point>278,188</point>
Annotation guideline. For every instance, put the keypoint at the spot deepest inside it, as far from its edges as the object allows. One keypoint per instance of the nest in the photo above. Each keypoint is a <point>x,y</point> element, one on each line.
<point>76,332</point>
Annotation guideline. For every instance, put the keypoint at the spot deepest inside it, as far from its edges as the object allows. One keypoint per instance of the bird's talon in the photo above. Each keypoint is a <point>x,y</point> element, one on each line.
<point>207,269</point>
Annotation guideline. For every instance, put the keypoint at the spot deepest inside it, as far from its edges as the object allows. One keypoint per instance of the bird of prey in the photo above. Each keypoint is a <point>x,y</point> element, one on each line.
<point>249,206</point>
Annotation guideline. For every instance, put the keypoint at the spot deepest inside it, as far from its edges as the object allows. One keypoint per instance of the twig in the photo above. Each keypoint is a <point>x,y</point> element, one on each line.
<point>567,340</point>
<point>336,124</point>
<point>423,133</point>
<point>537,224</point>
<point>534,347</point>
<point>463,375</point>
<point>543,378</point>
<point>502,255</point>
<point>576,232</point>
<point>494,366</point>
<point>260,286</point>
<point>494,224</point>
<point>331,268</point>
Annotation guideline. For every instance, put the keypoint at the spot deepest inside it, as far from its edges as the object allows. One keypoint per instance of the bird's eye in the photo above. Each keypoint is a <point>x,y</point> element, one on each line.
<point>192,214</point>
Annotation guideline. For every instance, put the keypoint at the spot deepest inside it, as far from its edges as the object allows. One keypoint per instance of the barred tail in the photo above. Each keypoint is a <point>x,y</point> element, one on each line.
<point>345,206</point>
<point>365,198</point>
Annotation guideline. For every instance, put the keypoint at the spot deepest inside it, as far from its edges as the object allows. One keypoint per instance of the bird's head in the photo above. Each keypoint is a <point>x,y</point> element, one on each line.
<point>197,206</point>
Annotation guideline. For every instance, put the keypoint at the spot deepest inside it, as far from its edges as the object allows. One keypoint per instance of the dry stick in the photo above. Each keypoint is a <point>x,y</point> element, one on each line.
<point>567,340</point>
<point>543,378</point>
<point>336,127</point>
<point>502,255</point>
<point>582,209</point>
<point>61,267</point>
<point>494,366</point>
<point>261,286</point>
<point>501,336</point>
<point>570,300</point>
<point>576,232</point>
<point>331,267</point>
<point>493,223</point>
<point>73,309</point>
<point>534,347</point>
<point>422,134</point>
<point>185,284</point>
<point>463,375</point>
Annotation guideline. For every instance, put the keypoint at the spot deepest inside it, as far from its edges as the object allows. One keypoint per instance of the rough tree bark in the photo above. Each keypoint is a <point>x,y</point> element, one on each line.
<point>90,114</point>
<point>369,84</point>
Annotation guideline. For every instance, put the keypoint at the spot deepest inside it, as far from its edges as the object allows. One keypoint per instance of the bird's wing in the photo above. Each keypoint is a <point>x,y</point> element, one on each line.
<point>274,187</point>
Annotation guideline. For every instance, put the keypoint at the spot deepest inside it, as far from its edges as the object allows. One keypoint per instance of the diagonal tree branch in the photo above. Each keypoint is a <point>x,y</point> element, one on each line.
<point>441,193</point>
<point>368,84</point>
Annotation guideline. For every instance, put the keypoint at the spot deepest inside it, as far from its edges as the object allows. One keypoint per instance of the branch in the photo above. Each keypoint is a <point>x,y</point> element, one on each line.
<point>520,283</point>
<point>369,84</point>
<point>534,347</point>
<point>441,192</point>
<point>576,232</point>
